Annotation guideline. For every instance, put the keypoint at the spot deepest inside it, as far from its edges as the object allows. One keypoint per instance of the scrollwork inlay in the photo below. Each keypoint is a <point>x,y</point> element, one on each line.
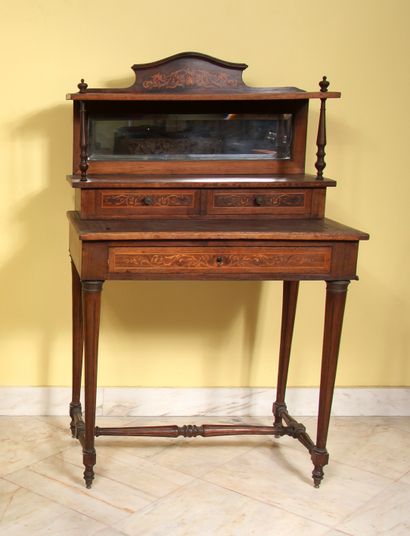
<point>248,200</point>
<point>137,200</point>
<point>318,261</point>
<point>190,78</point>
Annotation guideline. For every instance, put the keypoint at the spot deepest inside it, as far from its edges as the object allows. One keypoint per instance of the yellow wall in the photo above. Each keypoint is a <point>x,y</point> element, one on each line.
<point>209,333</point>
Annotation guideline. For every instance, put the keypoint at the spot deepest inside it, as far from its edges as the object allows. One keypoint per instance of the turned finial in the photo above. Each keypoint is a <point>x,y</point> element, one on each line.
<point>82,86</point>
<point>324,84</point>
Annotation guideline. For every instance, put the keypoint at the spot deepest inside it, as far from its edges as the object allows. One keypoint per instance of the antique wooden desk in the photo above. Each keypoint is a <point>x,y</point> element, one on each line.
<point>191,174</point>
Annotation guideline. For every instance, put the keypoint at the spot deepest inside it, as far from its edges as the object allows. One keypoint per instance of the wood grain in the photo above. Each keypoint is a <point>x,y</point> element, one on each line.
<point>293,230</point>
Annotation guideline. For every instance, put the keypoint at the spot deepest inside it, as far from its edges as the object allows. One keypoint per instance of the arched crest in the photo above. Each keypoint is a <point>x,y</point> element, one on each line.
<point>188,71</point>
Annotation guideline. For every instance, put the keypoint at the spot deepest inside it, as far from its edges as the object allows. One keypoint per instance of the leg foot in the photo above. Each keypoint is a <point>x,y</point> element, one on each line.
<point>317,475</point>
<point>89,459</point>
<point>320,458</point>
<point>88,476</point>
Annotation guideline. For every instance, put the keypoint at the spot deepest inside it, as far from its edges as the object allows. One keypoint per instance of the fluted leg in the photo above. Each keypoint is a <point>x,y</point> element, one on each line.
<point>290,296</point>
<point>335,304</point>
<point>91,311</point>
<point>77,348</point>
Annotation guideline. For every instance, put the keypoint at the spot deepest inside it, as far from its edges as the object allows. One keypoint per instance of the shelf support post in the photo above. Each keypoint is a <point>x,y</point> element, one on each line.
<point>321,133</point>
<point>83,142</point>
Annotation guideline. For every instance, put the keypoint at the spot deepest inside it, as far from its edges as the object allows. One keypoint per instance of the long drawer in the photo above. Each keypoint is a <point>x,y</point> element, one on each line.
<point>219,260</point>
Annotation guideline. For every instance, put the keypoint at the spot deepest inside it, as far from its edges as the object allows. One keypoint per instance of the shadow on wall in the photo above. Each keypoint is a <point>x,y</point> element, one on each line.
<point>201,314</point>
<point>35,282</point>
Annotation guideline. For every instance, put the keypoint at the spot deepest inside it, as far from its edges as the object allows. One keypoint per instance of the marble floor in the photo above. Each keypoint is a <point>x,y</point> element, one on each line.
<point>217,486</point>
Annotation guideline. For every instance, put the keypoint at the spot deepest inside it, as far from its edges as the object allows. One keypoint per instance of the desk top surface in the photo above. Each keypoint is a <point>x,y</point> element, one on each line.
<point>297,180</point>
<point>323,229</point>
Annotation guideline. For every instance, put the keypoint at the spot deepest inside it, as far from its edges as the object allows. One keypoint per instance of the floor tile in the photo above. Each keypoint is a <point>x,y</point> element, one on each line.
<point>336,533</point>
<point>405,478</point>
<point>387,513</point>
<point>62,422</point>
<point>23,512</point>
<point>149,480</point>
<point>371,444</point>
<point>198,456</point>
<point>109,532</point>
<point>58,480</point>
<point>25,440</point>
<point>280,476</point>
<point>224,485</point>
<point>403,423</point>
<point>203,509</point>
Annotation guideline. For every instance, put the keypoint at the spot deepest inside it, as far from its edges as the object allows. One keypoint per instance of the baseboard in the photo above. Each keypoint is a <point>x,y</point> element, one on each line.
<point>222,401</point>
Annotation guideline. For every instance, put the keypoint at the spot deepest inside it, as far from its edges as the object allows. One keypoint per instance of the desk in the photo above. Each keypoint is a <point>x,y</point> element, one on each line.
<point>189,174</point>
<point>236,250</point>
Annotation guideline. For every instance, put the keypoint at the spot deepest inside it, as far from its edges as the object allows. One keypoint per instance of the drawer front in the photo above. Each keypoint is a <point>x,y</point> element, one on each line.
<point>137,203</point>
<point>260,201</point>
<point>220,260</point>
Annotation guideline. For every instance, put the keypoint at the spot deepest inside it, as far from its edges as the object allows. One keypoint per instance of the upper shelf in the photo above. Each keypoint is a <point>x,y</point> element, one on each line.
<point>199,181</point>
<point>197,77</point>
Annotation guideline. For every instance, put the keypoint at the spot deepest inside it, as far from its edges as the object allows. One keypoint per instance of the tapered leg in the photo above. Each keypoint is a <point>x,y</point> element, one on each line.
<point>335,304</point>
<point>290,296</point>
<point>77,327</point>
<point>91,313</point>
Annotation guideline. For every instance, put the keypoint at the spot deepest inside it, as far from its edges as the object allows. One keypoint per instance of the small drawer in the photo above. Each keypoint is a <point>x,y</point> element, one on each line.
<point>139,203</point>
<point>260,201</point>
<point>212,261</point>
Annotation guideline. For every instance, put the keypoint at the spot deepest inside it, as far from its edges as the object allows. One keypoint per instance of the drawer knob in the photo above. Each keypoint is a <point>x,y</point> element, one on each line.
<point>259,201</point>
<point>147,200</point>
<point>219,261</point>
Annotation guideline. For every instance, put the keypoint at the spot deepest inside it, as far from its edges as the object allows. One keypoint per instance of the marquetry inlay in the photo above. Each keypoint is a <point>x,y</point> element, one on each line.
<point>252,259</point>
